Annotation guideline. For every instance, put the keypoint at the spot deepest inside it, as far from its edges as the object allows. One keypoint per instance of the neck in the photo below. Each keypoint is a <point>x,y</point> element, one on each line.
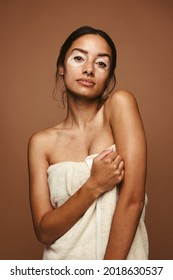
<point>80,112</point>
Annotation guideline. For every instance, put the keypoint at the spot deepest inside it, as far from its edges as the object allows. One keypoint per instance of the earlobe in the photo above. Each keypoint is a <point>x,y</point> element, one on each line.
<point>61,71</point>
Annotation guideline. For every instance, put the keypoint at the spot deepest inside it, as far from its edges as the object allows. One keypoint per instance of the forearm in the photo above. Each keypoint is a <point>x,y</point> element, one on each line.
<point>124,225</point>
<point>50,224</point>
<point>58,221</point>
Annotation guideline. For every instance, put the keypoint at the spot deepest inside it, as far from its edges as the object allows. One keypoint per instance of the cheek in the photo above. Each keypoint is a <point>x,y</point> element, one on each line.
<point>70,74</point>
<point>102,76</point>
<point>71,69</point>
<point>100,69</point>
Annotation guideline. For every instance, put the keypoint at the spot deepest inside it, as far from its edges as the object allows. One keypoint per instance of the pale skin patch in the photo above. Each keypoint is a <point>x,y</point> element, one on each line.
<point>78,59</point>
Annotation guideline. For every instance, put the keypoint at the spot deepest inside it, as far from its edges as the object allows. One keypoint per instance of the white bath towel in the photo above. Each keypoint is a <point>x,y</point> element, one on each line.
<point>87,239</point>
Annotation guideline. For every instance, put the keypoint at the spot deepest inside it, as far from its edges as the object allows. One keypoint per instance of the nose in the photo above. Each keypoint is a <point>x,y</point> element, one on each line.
<point>88,69</point>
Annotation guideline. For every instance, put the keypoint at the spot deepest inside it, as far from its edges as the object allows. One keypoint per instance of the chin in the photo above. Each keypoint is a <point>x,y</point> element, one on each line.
<point>85,96</point>
<point>80,93</point>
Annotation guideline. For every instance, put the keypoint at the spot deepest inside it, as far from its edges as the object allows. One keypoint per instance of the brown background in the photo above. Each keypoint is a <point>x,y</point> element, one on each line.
<point>31,34</point>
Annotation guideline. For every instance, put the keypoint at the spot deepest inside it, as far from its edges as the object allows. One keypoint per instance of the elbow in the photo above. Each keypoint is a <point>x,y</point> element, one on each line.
<point>43,234</point>
<point>133,197</point>
<point>139,205</point>
<point>133,201</point>
<point>136,205</point>
<point>43,238</point>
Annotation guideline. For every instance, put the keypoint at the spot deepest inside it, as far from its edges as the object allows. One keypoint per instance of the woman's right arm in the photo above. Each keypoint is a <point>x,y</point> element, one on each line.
<point>51,223</point>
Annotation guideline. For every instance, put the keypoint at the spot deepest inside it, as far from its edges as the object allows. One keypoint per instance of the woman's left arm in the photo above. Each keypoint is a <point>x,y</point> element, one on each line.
<point>129,135</point>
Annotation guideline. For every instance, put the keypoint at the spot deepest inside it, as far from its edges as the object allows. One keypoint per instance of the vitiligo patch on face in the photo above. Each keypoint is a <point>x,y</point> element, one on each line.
<point>77,59</point>
<point>102,63</point>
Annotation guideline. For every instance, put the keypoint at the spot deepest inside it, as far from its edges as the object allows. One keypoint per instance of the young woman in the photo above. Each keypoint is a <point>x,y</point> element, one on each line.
<point>87,174</point>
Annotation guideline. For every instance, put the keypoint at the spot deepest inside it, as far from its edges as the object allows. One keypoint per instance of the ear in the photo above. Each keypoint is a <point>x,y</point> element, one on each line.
<point>61,70</point>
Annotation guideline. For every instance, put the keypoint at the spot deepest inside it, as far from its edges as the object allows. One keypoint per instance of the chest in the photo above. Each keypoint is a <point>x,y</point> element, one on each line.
<point>76,145</point>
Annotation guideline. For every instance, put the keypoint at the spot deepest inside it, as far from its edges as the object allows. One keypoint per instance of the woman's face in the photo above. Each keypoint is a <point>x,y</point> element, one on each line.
<point>87,66</point>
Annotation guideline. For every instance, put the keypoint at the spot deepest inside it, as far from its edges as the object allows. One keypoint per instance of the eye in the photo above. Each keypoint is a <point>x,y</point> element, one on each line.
<point>101,64</point>
<point>78,58</point>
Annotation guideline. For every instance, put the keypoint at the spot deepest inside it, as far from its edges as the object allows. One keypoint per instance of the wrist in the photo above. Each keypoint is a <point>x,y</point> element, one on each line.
<point>93,187</point>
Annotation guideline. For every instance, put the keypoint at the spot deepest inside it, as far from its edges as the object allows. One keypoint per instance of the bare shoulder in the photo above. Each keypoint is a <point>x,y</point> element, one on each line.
<point>41,137</point>
<point>121,97</point>
<point>122,94</point>
<point>120,101</point>
<point>40,142</point>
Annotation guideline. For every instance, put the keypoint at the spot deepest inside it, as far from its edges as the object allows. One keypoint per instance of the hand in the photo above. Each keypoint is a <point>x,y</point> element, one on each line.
<point>107,170</point>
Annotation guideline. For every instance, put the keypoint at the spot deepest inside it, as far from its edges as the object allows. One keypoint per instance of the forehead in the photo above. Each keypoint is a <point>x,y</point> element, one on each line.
<point>91,43</point>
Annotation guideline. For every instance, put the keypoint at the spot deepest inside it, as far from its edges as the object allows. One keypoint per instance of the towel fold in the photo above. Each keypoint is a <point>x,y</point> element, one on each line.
<point>88,238</point>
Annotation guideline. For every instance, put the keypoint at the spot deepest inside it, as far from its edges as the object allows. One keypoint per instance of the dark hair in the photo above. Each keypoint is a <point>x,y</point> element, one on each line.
<point>84,30</point>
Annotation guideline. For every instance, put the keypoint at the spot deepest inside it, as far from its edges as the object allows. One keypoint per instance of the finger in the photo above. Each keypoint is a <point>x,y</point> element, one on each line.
<point>117,161</point>
<point>103,154</point>
<point>121,177</point>
<point>118,168</point>
<point>122,174</point>
<point>121,166</point>
<point>113,155</point>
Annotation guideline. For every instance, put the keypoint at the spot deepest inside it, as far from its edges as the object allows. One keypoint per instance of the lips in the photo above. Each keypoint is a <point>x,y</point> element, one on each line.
<point>86,82</point>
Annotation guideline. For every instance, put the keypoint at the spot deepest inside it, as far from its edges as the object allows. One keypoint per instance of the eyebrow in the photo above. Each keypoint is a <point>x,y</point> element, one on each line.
<point>86,52</point>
